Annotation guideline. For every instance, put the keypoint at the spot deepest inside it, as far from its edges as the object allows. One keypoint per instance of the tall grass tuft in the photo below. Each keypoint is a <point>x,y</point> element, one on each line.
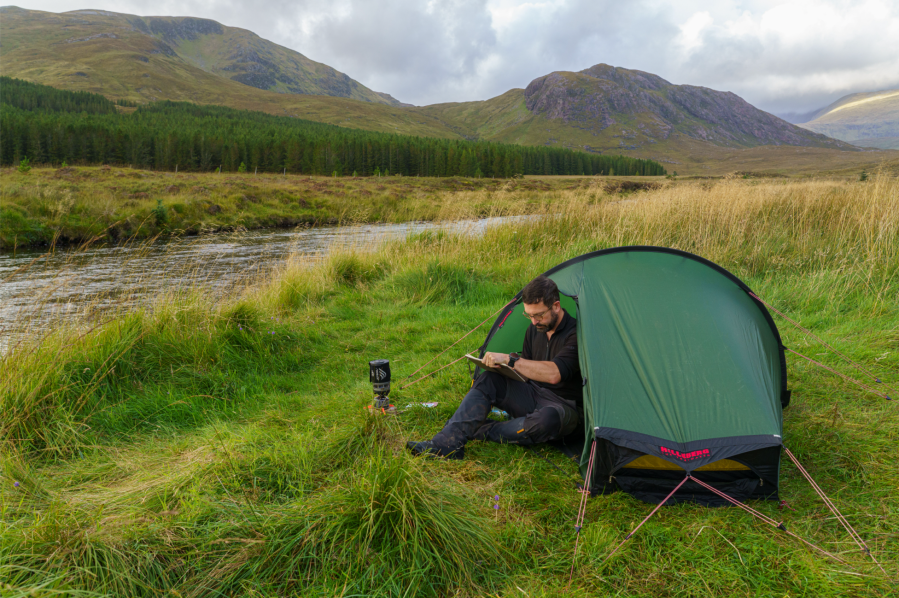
<point>384,524</point>
<point>395,516</point>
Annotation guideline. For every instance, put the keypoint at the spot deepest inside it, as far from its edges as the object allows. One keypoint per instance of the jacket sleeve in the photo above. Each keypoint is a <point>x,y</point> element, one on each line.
<point>567,360</point>
<point>526,349</point>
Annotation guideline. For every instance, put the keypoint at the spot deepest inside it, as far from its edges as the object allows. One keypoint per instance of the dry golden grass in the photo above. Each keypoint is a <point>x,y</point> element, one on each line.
<point>753,226</point>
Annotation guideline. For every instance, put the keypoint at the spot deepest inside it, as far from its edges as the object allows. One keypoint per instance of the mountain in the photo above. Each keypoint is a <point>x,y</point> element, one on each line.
<point>868,119</point>
<point>605,108</point>
<point>113,55</point>
<point>602,109</point>
<point>147,58</point>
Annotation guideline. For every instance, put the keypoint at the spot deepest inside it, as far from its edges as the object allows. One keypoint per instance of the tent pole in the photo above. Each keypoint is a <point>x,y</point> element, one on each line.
<point>833,509</point>
<point>658,506</point>
<point>766,519</point>
<point>582,508</point>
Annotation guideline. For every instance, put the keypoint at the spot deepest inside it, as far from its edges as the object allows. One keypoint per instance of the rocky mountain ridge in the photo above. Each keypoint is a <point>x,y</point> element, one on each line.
<point>603,96</point>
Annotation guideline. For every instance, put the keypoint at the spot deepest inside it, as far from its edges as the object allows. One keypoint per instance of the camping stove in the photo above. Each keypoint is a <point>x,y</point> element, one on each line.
<point>379,376</point>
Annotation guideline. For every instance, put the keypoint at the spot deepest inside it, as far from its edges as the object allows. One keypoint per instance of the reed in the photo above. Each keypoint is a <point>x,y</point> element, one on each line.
<point>217,444</point>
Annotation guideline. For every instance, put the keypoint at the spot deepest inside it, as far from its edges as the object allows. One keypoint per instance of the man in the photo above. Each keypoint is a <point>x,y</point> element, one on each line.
<point>547,407</point>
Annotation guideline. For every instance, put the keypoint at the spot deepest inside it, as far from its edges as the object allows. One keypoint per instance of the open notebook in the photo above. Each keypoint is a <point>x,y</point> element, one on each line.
<point>502,369</point>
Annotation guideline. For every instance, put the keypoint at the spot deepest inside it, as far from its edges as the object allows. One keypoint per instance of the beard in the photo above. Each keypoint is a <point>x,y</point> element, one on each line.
<point>553,320</point>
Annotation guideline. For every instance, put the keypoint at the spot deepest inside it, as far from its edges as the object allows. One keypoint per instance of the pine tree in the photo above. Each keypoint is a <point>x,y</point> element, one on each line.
<point>50,125</point>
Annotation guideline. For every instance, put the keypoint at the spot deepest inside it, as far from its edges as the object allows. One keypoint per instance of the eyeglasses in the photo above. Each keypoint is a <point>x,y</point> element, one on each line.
<point>535,316</point>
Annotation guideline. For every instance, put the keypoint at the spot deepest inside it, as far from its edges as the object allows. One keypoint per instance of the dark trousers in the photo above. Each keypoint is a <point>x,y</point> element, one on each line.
<point>538,415</point>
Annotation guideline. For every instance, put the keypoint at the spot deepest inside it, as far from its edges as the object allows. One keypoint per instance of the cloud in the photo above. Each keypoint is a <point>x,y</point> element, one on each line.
<point>455,51</point>
<point>411,50</point>
<point>782,56</point>
<point>797,55</point>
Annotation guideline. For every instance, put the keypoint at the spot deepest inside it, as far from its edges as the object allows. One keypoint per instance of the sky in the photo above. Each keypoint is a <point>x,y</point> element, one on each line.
<point>785,57</point>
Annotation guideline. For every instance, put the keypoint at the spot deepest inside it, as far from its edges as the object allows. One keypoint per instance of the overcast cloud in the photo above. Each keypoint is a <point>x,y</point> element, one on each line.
<point>792,56</point>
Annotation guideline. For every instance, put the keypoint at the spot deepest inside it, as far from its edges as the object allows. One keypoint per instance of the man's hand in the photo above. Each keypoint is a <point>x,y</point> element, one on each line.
<point>539,371</point>
<point>492,360</point>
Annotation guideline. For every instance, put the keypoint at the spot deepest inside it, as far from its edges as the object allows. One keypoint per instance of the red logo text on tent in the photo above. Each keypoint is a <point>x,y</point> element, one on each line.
<point>685,456</point>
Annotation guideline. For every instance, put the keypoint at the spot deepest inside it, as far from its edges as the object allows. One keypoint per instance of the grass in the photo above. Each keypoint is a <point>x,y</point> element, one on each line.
<point>89,204</point>
<point>206,447</point>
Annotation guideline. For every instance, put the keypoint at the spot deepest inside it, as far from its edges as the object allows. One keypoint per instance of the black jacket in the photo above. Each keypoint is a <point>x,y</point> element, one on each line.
<point>561,349</point>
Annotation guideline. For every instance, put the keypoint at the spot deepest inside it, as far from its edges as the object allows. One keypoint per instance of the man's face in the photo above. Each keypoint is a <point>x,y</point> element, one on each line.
<point>542,317</point>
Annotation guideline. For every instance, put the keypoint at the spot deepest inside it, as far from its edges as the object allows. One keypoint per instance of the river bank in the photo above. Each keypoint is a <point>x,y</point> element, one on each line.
<point>220,446</point>
<point>65,206</point>
<point>40,289</point>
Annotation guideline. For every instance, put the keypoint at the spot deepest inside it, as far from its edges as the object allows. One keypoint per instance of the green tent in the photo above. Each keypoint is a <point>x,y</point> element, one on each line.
<point>684,373</point>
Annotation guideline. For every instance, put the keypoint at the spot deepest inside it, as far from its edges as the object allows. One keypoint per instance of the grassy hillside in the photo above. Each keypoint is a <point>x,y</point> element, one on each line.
<point>222,448</point>
<point>506,118</point>
<point>489,118</point>
<point>78,52</point>
<point>606,109</point>
<point>243,56</point>
<point>53,45</point>
<point>865,119</point>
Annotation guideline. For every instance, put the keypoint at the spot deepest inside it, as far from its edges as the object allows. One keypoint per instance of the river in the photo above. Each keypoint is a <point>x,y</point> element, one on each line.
<point>39,289</point>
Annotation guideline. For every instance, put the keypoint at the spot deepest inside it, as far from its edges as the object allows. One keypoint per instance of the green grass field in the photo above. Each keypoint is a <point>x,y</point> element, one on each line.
<point>223,449</point>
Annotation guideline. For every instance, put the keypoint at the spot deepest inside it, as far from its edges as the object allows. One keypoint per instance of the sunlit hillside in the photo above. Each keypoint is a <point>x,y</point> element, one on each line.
<point>864,119</point>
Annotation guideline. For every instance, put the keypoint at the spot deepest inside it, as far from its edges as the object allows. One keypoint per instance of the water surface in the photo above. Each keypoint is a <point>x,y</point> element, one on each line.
<point>38,290</point>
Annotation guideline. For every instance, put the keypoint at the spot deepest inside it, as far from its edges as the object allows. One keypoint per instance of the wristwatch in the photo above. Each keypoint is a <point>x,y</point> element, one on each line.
<point>513,357</point>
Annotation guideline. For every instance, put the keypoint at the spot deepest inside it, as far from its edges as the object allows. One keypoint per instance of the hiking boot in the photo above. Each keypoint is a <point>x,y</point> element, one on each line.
<point>426,447</point>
